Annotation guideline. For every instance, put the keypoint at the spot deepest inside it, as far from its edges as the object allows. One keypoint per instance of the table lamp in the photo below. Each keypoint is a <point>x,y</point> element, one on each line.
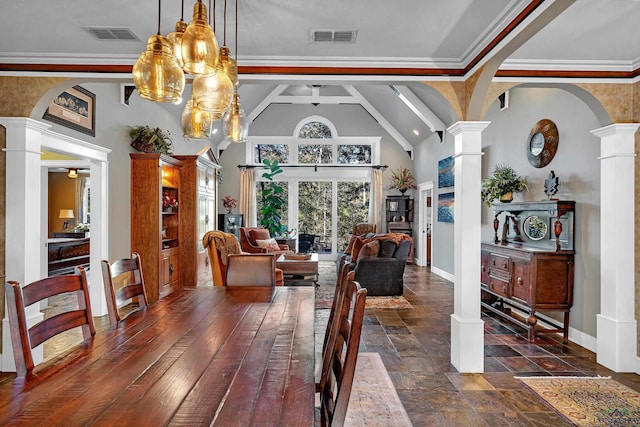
<point>66,214</point>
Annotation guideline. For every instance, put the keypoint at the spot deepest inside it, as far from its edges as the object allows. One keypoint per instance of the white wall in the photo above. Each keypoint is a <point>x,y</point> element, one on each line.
<point>575,164</point>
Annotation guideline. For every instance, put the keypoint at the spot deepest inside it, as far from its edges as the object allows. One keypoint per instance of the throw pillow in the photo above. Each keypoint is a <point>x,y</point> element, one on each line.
<point>387,248</point>
<point>350,245</point>
<point>259,234</point>
<point>268,244</point>
<point>357,245</point>
<point>369,250</point>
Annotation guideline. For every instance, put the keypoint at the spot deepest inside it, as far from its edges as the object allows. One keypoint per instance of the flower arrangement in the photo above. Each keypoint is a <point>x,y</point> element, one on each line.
<point>402,180</point>
<point>80,226</point>
<point>229,203</point>
<point>169,201</point>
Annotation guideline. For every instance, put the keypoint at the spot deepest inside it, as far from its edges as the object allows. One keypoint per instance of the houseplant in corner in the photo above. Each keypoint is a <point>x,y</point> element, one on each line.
<point>272,200</point>
<point>502,184</point>
<point>150,140</point>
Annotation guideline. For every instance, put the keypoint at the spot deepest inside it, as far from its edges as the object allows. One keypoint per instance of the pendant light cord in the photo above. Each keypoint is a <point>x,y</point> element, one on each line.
<point>182,12</point>
<point>224,32</point>
<point>236,32</point>
<point>159,13</point>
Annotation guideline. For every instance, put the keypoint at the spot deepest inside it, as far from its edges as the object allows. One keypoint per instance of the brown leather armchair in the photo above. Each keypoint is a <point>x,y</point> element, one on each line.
<point>249,237</point>
<point>220,246</point>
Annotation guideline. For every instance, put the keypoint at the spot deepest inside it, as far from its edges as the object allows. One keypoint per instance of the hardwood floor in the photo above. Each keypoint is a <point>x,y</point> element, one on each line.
<point>414,345</point>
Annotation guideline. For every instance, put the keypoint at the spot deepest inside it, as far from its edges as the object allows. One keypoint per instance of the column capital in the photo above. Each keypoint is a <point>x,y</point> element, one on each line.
<point>470,126</point>
<point>616,129</point>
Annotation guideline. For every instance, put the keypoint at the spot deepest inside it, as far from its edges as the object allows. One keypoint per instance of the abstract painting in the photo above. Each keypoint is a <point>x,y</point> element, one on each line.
<point>445,207</point>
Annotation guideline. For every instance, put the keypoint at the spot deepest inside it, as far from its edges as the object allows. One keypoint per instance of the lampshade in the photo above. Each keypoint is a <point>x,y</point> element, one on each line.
<point>66,213</point>
<point>196,123</point>
<point>213,92</point>
<point>235,123</point>
<point>229,65</point>
<point>199,45</point>
<point>72,173</point>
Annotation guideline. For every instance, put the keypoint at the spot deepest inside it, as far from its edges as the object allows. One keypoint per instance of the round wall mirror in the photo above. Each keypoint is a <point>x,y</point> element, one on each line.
<point>534,227</point>
<point>542,143</point>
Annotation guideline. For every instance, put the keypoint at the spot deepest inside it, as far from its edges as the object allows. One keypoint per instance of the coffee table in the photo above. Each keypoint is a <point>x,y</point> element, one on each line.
<point>299,270</point>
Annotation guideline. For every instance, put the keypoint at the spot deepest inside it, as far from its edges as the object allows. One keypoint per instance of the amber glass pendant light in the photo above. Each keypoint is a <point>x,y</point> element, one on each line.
<point>229,64</point>
<point>156,74</point>
<point>196,123</point>
<point>234,122</point>
<point>199,45</point>
<point>213,92</point>
<point>175,38</point>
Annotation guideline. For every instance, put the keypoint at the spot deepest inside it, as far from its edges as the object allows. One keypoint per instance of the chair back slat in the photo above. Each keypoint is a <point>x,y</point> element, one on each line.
<point>55,325</point>
<point>45,288</point>
<point>128,272</point>
<point>24,339</point>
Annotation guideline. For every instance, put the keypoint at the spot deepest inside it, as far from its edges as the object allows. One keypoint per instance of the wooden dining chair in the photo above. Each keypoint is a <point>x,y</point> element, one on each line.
<point>335,387</point>
<point>251,270</point>
<point>331,329</point>
<point>127,273</point>
<point>24,339</point>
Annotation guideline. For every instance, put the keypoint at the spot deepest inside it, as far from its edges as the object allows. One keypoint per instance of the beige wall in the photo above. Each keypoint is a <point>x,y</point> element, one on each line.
<point>62,195</point>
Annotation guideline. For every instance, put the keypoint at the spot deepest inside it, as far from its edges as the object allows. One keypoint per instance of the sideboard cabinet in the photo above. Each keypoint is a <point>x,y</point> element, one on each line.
<point>529,266</point>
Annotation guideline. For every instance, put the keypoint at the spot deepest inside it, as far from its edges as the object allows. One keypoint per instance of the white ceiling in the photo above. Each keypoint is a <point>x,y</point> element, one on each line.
<point>398,43</point>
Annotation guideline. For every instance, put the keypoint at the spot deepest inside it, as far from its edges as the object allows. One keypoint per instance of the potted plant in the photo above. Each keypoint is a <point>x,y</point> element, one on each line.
<point>151,140</point>
<point>502,184</point>
<point>272,200</point>
<point>402,180</point>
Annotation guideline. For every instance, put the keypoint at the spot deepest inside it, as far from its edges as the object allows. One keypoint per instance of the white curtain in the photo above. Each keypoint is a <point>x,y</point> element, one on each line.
<point>375,201</point>
<point>248,197</point>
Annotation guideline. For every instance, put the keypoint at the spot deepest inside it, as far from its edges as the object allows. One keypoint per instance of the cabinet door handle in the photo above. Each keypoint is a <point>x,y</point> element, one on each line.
<point>206,261</point>
<point>520,281</point>
<point>171,269</point>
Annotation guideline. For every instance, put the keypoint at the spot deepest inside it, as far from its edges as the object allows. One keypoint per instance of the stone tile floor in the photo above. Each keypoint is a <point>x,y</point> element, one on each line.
<point>414,344</point>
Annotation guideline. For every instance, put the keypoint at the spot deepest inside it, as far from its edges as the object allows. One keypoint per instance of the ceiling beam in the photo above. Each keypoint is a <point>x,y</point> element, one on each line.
<point>418,107</point>
<point>381,120</point>
<point>265,102</point>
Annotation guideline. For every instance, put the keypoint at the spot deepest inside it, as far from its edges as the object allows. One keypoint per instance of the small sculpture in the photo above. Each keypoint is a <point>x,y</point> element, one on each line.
<point>551,185</point>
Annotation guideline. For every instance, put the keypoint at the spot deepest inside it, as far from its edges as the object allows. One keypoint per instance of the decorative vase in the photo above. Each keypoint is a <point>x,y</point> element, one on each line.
<point>507,197</point>
<point>168,209</point>
<point>402,191</point>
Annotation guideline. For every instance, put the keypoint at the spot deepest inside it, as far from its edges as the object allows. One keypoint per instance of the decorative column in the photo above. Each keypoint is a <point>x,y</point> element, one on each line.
<point>23,234</point>
<point>467,328</point>
<point>616,328</point>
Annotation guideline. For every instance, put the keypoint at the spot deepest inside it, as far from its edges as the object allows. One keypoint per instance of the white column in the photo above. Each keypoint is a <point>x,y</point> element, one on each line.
<point>23,234</point>
<point>99,242</point>
<point>616,324</point>
<point>467,328</point>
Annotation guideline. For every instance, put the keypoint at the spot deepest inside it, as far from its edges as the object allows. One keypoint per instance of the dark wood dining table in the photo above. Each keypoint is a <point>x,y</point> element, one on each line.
<point>199,356</point>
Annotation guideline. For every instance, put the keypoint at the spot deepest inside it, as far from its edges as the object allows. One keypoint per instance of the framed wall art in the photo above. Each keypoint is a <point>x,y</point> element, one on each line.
<point>446,172</point>
<point>445,207</point>
<point>74,108</point>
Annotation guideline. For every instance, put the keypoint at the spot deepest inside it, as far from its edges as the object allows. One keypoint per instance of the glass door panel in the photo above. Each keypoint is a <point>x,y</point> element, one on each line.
<point>315,213</point>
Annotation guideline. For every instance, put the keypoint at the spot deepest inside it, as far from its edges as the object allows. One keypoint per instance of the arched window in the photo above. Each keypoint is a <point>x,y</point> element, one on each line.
<point>314,129</point>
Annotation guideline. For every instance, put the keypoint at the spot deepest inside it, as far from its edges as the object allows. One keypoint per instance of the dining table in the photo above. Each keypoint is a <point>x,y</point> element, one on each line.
<point>199,356</point>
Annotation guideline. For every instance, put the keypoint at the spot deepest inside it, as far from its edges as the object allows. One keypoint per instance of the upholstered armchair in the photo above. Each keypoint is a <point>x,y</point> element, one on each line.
<point>363,228</point>
<point>220,246</point>
<point>256,240</point>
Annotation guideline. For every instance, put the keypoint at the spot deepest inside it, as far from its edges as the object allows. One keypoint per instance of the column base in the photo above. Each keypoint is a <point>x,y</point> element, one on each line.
<point>467,345</point>
<point>616,344</point>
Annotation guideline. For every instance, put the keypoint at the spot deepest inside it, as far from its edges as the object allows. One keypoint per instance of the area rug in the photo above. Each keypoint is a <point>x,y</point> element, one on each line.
<point>327,287</point>
<point>589,401</point>
<point>374,400</point>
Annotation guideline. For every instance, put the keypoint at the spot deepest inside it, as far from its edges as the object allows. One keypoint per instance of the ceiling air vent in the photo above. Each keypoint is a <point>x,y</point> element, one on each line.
<point>106,33</point>
<point>333,36</point>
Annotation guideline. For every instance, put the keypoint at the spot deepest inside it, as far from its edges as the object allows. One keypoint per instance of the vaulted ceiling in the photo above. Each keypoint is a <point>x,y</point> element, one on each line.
<point>375,53</point>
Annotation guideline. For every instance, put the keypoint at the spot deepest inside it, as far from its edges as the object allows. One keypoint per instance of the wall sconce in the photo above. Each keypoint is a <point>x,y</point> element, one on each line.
<point>66,214</point>
<point>72,173</point>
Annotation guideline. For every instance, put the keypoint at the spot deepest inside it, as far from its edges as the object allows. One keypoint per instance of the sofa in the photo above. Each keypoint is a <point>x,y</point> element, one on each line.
<point>378,262</point>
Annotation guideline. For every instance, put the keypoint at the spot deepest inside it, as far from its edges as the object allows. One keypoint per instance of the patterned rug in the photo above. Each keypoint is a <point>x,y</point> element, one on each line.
<point>374,400</point>
<point>327,282</point>
<point>589,401</point>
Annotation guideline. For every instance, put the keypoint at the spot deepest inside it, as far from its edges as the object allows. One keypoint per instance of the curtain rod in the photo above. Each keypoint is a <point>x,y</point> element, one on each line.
<point>315,166</point>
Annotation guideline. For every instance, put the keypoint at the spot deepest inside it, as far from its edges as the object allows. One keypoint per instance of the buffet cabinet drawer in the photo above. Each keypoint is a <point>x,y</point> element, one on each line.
<point>499,287</point>
<point>500,263</point>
